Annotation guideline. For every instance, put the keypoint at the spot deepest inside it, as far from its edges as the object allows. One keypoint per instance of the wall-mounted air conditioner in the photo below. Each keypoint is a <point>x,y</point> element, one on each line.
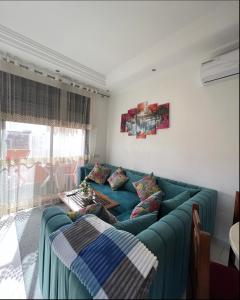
<point>220,67</point>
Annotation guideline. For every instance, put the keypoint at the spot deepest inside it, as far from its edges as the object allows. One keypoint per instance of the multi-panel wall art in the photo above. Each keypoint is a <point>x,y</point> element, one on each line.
<point>145,119</point>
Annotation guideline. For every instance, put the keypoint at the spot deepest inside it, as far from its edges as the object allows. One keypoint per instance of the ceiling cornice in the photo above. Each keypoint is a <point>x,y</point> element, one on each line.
<point>23,43</point>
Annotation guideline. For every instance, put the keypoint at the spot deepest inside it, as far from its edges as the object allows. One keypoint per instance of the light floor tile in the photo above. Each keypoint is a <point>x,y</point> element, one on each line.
<point>219,251</point>
<point>224,256</point>
<point>11,274</point>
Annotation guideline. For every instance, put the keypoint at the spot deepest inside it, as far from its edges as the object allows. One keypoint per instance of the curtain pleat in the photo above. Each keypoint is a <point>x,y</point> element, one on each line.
<point>28,101</point>
<point>39,159</point>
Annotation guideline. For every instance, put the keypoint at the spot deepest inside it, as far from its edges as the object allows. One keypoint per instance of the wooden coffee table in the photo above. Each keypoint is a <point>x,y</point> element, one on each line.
<point>76,202</point>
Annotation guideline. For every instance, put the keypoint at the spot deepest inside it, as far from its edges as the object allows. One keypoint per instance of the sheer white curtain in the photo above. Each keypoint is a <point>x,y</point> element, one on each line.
<point>68,154</point>
<point>44,138</point>
<point>37,162</point>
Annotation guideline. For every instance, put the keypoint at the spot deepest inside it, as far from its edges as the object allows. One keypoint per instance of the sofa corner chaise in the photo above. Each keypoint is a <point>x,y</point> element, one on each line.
<point>168,238</point>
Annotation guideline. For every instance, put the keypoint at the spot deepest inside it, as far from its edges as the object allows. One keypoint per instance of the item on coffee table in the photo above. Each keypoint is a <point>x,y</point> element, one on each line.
<point>85,188</point>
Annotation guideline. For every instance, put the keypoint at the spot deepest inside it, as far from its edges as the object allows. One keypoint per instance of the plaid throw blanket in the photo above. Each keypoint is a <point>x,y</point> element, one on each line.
<point>110,263</point>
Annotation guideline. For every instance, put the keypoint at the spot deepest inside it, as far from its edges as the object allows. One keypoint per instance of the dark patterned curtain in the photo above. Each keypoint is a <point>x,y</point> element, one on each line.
<point>28,101</point>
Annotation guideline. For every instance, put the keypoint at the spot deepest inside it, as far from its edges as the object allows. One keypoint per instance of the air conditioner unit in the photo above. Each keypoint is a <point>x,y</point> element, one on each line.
<point>220,67</point>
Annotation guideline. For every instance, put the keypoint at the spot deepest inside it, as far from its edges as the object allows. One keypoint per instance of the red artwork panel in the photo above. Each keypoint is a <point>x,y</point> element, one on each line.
<point>124,119</point>
<point>162,116</point>
<point>150,119</point>
<point>131,123</point>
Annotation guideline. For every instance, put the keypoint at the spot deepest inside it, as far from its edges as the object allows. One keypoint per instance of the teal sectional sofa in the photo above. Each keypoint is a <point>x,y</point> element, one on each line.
<point>168,238</point>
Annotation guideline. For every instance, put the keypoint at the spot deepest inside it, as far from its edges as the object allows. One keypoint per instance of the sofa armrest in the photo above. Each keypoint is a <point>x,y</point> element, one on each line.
<point>53,218</point>
<point>82,172</point>
<point>136,225</point>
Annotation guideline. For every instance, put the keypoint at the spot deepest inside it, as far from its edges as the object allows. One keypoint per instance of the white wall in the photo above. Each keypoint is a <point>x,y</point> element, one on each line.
<point>202,144</point>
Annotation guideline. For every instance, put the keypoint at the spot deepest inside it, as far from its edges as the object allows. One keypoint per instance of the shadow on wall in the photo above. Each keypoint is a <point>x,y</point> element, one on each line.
<point>224,216</point>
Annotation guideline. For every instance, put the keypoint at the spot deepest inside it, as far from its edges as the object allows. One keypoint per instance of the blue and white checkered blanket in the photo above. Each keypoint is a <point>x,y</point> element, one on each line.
<point>110,263</point>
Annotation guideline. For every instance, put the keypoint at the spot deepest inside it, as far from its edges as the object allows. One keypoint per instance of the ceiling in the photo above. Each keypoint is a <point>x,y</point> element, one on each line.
<point>105,36</point>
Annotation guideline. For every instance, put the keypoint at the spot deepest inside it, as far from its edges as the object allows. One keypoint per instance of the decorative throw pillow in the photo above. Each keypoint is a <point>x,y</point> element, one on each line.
<point>146,186</point>
<point>171,190</point>
<point>168,205</point>
<point>117,179</point>
<point>148,205</point>
<point>99,174</point>
<point>96,209</point>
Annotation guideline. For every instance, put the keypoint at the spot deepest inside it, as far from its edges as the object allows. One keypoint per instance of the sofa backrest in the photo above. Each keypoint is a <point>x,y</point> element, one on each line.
<point>169,240</point>
<point>199,194</point>
<point>170,187</point>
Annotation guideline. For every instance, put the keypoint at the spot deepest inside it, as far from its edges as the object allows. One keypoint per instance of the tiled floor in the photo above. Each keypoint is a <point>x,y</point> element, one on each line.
<point>12,283</point>
<point>19,237</point>
<point>11,273</point>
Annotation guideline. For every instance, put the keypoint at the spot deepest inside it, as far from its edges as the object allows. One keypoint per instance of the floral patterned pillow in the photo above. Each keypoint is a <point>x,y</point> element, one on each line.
<point>117,179</point>
<point>99,174</point>
<point>146,186</point>
<point>148,205</point>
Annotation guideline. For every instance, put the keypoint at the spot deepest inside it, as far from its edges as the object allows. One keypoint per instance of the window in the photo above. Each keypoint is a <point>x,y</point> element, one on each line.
<point>37,162</point>
<point>27,141</point>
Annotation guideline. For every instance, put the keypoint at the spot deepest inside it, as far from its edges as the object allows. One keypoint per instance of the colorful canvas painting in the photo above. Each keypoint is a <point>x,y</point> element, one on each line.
<point>142,109</point>
<point>132,122</point>
<point>150,119</point>
<point>145,120</point>
<point>124,119</point>
<point>162,116</point>
<point>140,128</point>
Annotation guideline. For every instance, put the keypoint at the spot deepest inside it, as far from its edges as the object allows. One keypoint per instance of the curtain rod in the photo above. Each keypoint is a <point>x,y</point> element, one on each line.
<point>31,68</point>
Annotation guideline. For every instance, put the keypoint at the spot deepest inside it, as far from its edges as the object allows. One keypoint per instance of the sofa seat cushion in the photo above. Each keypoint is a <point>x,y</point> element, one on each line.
<point>124,216</point>
<point>127,200</point>
<point>171,190</point>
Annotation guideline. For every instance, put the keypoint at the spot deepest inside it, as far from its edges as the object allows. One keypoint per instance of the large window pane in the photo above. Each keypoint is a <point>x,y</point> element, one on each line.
<point>68,142</point>
<point>37,162</point>
<point>68,152</point>
<point>27,141</point>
